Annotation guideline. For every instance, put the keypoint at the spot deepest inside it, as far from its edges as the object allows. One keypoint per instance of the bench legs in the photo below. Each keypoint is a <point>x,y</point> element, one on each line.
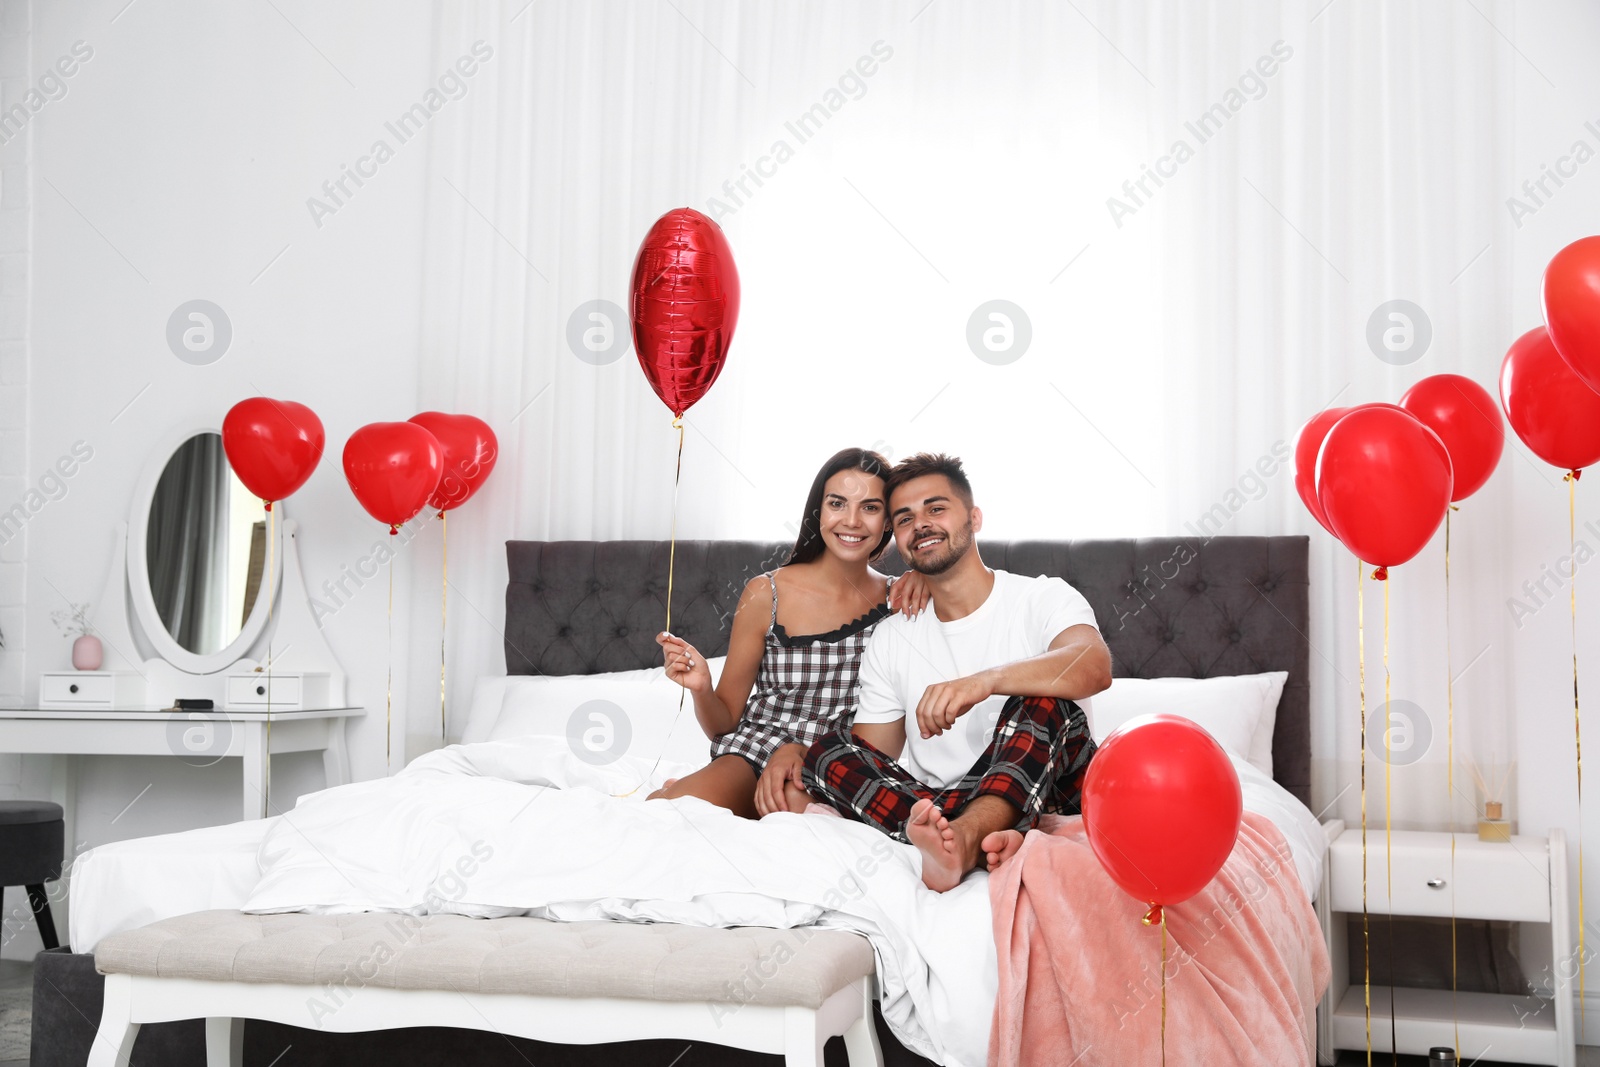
<point>805,1033</point>
<point>861,1040</point>
<point>113,1042</point>
<point>805,1030</point>
<point>224,1042</point>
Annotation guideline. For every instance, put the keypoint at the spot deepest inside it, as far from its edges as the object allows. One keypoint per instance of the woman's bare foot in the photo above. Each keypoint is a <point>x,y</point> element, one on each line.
<point>1001,846</point>
<point>930,831</point>
<point>795,798</point>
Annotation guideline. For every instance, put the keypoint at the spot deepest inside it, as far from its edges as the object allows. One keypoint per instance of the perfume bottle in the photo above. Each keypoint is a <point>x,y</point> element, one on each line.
<point>1493,826</point>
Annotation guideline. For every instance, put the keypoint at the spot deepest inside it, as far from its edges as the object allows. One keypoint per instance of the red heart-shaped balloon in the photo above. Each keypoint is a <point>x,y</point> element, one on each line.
<point>683,304</point>
<point>469,448</point>
<point>272,445</point>
<point>1161,808</point>
<point>1306,446</point>
<point>1551,409</point>
<point>1467,420</point>
<point>1384,481</point>
<point>393,468</point>
<point>1571,294</point>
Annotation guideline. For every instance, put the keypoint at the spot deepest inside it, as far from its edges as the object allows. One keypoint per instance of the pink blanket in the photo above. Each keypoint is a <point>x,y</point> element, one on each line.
<point>1080,977</point>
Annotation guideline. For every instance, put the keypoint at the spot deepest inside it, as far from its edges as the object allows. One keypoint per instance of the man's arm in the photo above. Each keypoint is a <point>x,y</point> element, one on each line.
<point>887,737</point>
<point>880,713</point>
<point>1077,665</point>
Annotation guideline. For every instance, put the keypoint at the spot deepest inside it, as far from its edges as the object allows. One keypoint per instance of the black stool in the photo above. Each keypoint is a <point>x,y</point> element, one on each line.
<point>31,836</point>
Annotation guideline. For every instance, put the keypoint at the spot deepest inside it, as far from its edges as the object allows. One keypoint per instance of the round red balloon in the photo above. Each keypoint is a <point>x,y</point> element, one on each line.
<point>272,445</point>
<point>684,304</point>
<point>1384,480</point>
<point>1306,447</point>
<point>1549,407</point>
<point>1161,808</point>
<point>1572,307</point>
<point>393,468</point>
<point>1467,420</point>
<point>469,449</point>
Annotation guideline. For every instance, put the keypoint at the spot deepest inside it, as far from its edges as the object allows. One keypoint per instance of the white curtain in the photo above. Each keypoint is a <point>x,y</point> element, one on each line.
<point>1178,340</point>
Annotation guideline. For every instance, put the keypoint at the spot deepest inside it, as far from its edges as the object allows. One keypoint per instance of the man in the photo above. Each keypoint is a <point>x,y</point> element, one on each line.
<point>996,645</point>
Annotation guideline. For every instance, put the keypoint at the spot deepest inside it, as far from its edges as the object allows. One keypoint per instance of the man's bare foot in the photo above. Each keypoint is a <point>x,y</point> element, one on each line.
<point>930,831</point>
<point>1001,846</point>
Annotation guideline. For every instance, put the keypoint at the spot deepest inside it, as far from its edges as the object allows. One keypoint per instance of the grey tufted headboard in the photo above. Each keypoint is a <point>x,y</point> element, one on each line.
<point>1168,607</point>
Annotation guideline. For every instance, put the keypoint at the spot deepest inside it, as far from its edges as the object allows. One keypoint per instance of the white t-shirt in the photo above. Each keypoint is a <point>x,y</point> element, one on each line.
<point>1018,620</point>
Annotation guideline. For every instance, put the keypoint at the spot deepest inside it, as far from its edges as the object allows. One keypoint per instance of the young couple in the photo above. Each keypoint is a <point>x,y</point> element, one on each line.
<point>951,728</point>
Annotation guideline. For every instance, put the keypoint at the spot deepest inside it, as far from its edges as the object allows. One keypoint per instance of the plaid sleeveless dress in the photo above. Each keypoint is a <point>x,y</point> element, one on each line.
<point>805,688</point>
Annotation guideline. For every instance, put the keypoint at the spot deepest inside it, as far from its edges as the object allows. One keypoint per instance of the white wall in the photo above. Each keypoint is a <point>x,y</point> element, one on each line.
<point>177,166</point>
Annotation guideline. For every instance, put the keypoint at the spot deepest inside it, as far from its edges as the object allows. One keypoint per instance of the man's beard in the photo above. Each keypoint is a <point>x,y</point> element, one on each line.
<point>955,547</point>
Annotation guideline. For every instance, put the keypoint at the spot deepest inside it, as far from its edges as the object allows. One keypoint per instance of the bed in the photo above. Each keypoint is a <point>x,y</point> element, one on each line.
<point>1168,608</point>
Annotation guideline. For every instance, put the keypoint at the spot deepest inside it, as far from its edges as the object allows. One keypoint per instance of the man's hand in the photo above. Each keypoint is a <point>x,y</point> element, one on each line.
<point>945,702</point>
<point>782,768</point>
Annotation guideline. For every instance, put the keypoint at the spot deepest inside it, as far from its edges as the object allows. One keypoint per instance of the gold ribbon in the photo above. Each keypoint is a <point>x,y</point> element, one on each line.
<point>672,565</point>
<point>1366,931</point>
<point>1163,987</point>
<point>444,588</point>
<point>388,683</point>
<point>1450,779</point>
<point>266,784</point>
<point>1158,913</point>
<point>1571,478</point>
<point>1388,820</point>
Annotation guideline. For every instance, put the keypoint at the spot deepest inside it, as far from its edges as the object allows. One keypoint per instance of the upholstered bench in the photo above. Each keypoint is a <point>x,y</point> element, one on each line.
<point>767,990</point>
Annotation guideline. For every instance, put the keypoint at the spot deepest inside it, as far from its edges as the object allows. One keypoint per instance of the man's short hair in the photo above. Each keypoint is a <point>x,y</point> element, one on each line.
<point>924,463</point>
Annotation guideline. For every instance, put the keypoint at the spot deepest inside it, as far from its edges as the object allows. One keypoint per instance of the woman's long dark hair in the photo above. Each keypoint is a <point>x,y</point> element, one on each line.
<point>808,546</point>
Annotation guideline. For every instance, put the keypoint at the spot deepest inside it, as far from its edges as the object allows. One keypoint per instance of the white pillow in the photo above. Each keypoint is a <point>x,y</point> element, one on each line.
<point>606,716</point>
<point>1240,711</point>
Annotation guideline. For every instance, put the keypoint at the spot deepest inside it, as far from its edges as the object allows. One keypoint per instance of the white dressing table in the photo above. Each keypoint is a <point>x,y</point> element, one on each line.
<point>197,738</point>
<point>204,589</point>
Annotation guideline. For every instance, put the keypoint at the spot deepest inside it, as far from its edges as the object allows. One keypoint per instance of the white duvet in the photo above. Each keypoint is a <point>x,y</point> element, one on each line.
<point>524,827</point>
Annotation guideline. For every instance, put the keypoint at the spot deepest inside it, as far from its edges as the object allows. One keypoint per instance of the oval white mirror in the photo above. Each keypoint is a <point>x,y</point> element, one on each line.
<point>198,556</point>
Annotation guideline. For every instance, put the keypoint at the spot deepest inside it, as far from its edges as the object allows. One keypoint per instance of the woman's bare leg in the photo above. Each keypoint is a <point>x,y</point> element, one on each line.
<point>727,781</point>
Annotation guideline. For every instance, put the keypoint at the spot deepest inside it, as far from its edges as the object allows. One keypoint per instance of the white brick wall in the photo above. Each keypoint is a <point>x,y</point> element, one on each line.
<point>16,258</point>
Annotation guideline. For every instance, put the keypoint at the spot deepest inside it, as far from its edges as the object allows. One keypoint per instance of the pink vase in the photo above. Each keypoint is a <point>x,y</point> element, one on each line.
<point>87,655</point>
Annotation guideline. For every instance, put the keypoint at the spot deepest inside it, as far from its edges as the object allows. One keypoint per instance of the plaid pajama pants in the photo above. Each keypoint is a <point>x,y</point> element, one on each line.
<point>1036,760</point>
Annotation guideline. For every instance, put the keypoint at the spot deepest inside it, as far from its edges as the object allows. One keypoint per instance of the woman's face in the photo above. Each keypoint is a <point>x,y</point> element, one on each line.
<point>854,514</point>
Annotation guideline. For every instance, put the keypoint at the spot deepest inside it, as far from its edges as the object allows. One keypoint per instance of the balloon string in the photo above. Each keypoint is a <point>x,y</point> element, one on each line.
<point>1577,728</point>
<point>1450,780</point>
<point>672,563</point>
<point>1388,823</point>
<point>444,587</point>
<point>388,685</point>
<point>1163,987</point>
<point>1366,931</point>
<point>272,522</point>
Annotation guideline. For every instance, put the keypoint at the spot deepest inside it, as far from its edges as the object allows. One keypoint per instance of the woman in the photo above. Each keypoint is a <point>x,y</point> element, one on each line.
<point>780,692</point>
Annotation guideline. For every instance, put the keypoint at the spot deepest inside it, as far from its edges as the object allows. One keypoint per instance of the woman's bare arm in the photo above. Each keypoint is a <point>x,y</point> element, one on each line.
<point>719,710</point>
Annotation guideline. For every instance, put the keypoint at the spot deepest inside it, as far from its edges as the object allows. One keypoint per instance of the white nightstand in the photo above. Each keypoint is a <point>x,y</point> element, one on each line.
<point>1524,881</point>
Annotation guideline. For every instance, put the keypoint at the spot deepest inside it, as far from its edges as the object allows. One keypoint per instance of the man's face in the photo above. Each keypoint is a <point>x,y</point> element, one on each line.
<point>932,526</point>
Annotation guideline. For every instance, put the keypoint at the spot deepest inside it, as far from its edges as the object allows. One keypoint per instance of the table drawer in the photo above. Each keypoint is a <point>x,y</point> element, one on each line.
<point>90,689</point>
<point>1491,881</point>
<point>251,690</point>
<point>77,689</point>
